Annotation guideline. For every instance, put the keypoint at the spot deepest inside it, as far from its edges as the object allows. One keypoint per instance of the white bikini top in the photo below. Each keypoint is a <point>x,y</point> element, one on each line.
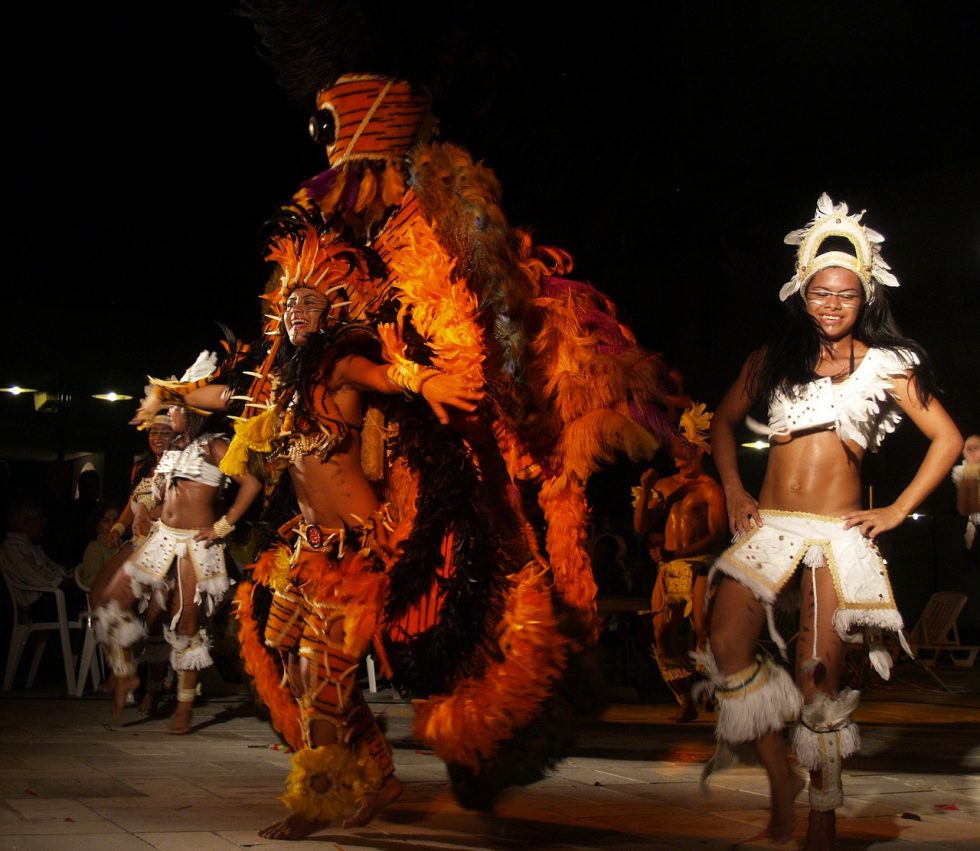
<point>192,463</point>
<point>143,488</point>
<point>861,408</point>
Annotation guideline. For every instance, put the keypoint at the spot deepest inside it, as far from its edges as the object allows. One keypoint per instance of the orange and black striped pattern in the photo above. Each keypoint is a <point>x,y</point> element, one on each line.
<point>374,117</point>
<point>299,626</point>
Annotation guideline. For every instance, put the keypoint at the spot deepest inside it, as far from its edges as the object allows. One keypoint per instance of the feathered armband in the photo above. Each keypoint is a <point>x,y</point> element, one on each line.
<point>410,375</point>
<point>253,435</point>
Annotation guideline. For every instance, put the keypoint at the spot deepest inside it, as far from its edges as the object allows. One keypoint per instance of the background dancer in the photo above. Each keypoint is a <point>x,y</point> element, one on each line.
<point>180,565</point>
<point>690,508</point>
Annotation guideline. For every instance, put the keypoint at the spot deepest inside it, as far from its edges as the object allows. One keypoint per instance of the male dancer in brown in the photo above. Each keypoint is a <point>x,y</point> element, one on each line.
<point>690,507</point>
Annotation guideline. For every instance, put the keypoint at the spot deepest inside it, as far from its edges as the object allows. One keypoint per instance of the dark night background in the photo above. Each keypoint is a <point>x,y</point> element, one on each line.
<point>669,148</point>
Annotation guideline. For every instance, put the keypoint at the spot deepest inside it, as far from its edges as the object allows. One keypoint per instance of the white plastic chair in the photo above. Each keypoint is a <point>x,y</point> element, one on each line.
<point>936,630</point>
<point>23,628</point>
<point>90,664</point>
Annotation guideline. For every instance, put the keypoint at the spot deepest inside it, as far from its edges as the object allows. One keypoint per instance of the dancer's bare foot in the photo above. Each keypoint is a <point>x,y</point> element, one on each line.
<point>821,831</point>
<point>783,817</point>
<point>180,723</point>
<point>372,805</point>
<point>123,686</point>
<point>149,703</point>
<point>293,826</point>
<point>687,712</point>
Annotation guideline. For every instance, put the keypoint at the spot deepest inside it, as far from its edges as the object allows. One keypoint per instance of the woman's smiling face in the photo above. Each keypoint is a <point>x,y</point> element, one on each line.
<point>833,298</point>
<point>303,313</point>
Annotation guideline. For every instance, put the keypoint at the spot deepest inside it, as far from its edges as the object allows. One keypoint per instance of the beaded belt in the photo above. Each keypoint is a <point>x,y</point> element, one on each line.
<point>312,536</point>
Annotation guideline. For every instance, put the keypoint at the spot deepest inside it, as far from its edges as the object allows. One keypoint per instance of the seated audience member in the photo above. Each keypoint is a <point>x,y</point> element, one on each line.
<point>22,560</point>
<point>100,550</point>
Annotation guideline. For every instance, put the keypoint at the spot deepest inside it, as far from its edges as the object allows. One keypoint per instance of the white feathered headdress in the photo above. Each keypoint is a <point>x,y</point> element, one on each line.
<point>696,425</point>
<point>204,367</point>
<point>832,220</point>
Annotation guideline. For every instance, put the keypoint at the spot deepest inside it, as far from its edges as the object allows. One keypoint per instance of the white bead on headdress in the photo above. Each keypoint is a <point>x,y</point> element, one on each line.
<point>832,220</point>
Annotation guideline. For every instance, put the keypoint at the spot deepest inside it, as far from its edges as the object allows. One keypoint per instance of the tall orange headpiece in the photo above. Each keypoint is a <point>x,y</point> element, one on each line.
<point>373,117</point>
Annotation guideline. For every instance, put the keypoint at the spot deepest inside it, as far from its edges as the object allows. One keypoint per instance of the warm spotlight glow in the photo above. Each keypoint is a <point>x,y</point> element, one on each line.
<point>14,390</point>
<point>111,396</point>
<point>757,444</point>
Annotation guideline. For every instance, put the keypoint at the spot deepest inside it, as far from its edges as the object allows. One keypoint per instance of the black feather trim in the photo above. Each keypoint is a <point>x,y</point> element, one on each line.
<point>310,43</point>
<point>261,606</point>
<point>451,497</point>
<point>539,746</point>
<point>460,53</point>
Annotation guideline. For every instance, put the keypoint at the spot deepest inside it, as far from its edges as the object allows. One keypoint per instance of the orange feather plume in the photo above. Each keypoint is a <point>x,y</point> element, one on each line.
<point>468,726</point>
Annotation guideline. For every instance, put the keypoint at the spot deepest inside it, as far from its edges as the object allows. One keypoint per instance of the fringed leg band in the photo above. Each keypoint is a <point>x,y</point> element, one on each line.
<point>759,699</point>
<point>189,652</point>
<point>118,630</point>
<point>822,739</point>
<point>113,624</point>
<point>327,781</point>
<point>121,663</point>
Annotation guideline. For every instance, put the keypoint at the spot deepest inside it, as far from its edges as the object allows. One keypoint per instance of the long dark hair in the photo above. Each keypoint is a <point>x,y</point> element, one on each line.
<point>306,366</point>
<point>197,424</point>
<point>790,358</point>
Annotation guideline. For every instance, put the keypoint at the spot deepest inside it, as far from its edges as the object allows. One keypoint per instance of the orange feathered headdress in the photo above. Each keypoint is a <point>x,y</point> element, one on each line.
<point>323,262</point>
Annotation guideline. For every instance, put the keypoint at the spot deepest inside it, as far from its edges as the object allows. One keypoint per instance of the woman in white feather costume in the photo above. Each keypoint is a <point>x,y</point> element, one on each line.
<point>837,378</point>
<point>179,566</point>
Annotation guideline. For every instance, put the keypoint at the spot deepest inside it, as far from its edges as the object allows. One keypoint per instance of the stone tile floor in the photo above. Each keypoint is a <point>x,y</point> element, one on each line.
<point>72,778</point>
